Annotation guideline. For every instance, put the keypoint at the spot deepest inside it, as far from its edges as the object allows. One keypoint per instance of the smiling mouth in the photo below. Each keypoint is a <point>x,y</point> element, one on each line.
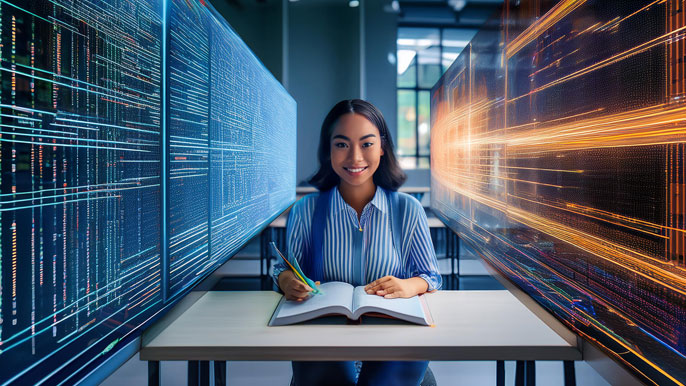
<point>356,170</point>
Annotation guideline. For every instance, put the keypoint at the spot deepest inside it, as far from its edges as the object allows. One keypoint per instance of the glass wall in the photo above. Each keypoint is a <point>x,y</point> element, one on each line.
<point>558,155</point>
<point>137,154</point>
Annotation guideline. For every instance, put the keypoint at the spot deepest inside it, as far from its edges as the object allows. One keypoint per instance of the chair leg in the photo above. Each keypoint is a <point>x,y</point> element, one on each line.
<point>449,250</point>
<point>457,253</point>
<point>263,250</point>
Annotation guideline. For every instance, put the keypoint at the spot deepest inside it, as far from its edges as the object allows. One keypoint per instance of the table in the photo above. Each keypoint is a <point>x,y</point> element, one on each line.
<point>469,325</point>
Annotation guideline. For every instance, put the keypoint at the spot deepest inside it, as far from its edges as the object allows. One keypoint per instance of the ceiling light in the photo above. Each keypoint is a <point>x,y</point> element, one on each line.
<point>420,44</point>
<point>457,5</point>
<point>405,58</point>
<point>393,7</point>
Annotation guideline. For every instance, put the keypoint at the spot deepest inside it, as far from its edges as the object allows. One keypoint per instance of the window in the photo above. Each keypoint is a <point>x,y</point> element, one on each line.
<point>423,55</point>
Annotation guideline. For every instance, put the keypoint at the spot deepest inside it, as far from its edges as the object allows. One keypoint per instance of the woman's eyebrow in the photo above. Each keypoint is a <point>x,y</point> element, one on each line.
<point>348,139</point>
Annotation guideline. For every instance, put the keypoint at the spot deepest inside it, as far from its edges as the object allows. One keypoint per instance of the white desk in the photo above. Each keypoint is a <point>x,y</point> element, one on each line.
<point>469,325</point>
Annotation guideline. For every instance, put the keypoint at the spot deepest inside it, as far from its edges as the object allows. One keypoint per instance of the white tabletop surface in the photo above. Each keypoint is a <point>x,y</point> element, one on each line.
<point>469,325</point>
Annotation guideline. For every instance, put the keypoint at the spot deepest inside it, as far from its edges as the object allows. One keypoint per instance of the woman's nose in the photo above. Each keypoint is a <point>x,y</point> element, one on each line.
<point>356,154</point>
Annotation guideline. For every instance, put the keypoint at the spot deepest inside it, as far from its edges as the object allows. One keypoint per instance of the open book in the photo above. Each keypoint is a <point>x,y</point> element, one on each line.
<point>342,298</point>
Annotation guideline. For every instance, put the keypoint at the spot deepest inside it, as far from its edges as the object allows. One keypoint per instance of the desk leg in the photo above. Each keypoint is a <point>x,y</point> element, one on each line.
<point>570,373</point>
<point>500,373</point>
<point>530,373</point>
<point>193,373</point>
<point>219,373</point>
<point>204,373</point>
<point>525,373</point>
<point>153,373</point>
<point>519,374</point>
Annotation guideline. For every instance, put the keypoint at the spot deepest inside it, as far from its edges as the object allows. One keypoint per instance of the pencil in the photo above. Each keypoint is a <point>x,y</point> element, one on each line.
<point>295,271</point>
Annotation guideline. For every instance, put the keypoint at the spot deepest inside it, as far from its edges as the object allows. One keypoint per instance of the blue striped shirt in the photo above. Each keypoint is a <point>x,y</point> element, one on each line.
<point>417,256</point>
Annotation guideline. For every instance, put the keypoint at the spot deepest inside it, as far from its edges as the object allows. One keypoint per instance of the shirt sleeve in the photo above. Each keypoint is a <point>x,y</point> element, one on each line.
<point>295,236</point>
<point>422,253</point>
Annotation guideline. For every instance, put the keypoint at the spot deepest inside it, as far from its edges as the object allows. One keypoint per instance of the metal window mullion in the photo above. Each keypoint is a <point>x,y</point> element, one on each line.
<point>416,109</point>
<point>413,88</point>
<point>440,48</point>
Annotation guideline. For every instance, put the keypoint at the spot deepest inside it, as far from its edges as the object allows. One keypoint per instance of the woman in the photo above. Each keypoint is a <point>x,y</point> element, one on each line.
<point>358,174</point>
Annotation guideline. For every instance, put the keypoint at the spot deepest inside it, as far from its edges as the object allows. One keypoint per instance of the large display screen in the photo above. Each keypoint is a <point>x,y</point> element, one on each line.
<point>557,147</point>
<point>141,144</point>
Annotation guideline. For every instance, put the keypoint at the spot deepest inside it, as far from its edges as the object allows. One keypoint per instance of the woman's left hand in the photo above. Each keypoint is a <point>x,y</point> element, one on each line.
<point>391,287</point>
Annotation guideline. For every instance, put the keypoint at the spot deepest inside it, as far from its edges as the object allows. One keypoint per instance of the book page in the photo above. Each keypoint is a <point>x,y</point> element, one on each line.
<point>399,307</point>
<point>335,293</point>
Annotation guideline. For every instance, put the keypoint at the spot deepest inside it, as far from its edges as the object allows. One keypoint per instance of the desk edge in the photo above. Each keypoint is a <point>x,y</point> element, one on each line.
<point>184,304</point>
<point>265,353</point>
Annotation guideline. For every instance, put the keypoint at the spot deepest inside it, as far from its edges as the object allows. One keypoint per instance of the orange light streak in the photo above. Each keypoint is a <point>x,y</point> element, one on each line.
<point>559,11</point>
<point>642,127</point>
<point>666,38</point>
<point>627,258</point>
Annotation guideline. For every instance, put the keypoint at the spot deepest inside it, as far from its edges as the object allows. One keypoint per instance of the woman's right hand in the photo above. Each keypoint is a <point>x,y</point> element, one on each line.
<point>292,287</point>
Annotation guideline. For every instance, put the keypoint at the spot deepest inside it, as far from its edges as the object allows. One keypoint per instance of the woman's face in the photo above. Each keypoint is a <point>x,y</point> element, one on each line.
<point>355,149</point>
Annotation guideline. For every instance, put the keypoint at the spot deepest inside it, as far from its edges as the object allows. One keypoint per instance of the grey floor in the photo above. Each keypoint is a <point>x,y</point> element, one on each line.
<point>239,274</point>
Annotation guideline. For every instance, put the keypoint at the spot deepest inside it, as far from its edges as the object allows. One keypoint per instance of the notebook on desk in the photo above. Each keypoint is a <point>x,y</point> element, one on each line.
<point>338,298</point>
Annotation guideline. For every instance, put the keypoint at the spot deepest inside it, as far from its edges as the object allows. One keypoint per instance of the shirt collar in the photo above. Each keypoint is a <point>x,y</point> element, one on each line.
<point>379,201</point>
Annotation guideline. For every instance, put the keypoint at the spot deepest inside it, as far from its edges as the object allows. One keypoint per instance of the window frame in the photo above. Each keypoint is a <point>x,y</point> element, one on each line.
<point>417,89</point>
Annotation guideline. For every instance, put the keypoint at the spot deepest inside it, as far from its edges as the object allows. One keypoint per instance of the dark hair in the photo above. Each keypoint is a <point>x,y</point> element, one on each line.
<point>389,175</point>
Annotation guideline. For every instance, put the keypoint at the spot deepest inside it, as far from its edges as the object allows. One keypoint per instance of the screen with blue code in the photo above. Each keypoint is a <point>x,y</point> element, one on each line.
<point>557,154</point>
<point>141,144</point>
<point>188,63</point>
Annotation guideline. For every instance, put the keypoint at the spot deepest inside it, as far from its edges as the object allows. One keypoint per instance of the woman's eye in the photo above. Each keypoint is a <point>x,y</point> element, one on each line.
<point>340,145</point>
<point>368,144</point>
